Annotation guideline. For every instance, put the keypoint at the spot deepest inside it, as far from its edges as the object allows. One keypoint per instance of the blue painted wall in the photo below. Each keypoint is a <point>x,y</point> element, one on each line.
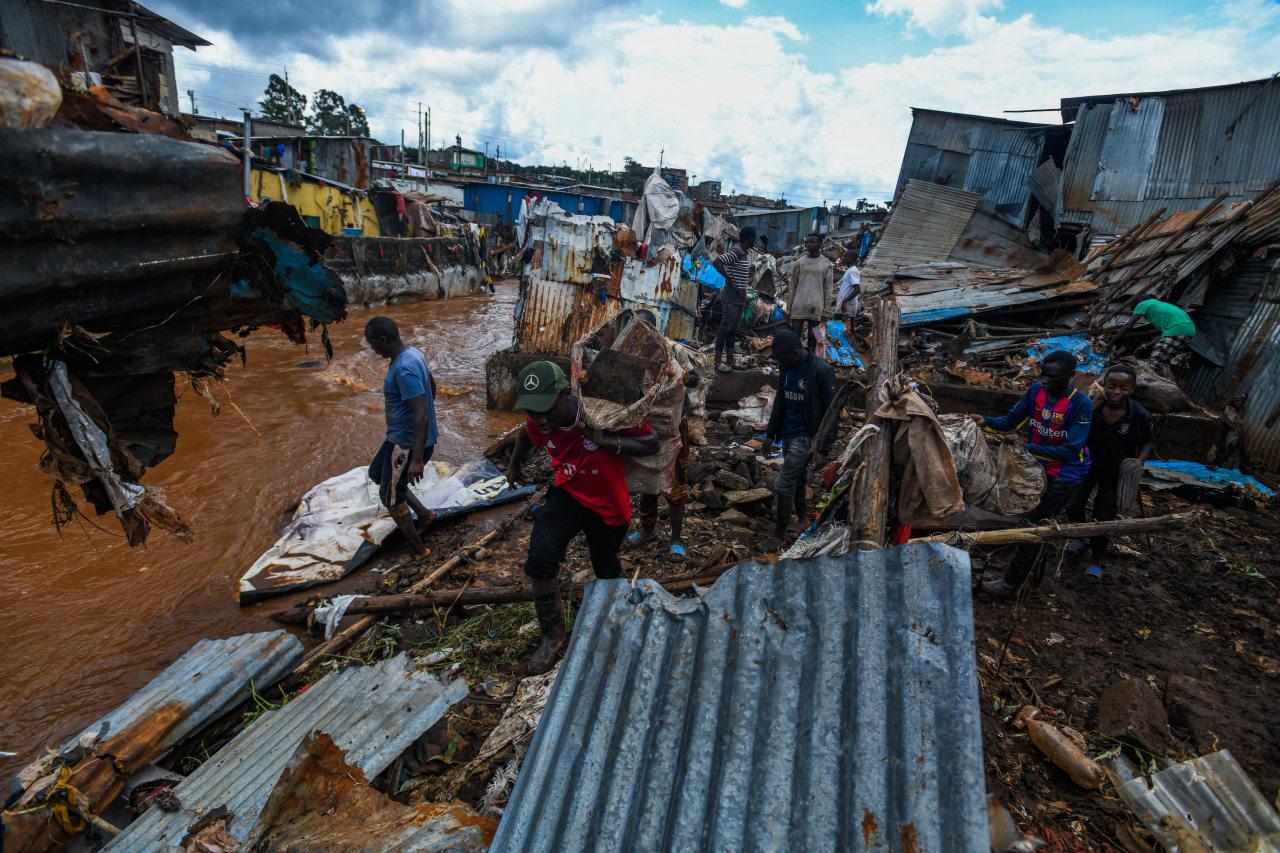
<point>503,201</point>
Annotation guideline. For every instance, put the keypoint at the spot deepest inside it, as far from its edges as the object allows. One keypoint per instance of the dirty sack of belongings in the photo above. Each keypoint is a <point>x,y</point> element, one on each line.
<point>626,374</point>
<point>340,524</point>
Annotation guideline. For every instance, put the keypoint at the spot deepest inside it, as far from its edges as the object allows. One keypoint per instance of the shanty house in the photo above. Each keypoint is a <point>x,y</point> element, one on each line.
<point>993,157</point>
<point>126,46</point>
<point>1133,155</point>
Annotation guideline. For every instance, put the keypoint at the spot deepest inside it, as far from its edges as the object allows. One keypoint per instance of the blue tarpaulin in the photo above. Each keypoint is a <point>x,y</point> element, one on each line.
<point>839,350</point>
<point>701,271</point>
<point>1196,474</point>
<point>1077,345</point>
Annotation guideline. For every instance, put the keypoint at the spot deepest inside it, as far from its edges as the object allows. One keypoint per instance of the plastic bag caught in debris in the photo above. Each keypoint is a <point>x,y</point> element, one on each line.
<point>29,95</point>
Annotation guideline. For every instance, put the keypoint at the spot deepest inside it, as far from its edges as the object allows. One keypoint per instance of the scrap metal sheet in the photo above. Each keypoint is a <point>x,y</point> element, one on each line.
<point>819,704</point>
<point>373,713</point>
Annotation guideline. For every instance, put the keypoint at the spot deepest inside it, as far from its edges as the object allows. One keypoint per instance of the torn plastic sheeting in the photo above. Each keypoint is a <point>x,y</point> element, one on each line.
<point>341,523</point>
<point>1087,360</point>
<point>753,408</point>
<point>1172,473</point>
<point>839,350</point>
<point>91,440</point>
<point>311,289</point>
<point>373,713</point>
<point>1207,803</point>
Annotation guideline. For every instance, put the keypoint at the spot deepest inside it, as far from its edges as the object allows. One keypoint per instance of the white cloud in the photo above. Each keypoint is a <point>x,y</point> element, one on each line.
<point>775,24</point>
<point>941,17</point>
<point>734,4</point>
<point>738,103</point>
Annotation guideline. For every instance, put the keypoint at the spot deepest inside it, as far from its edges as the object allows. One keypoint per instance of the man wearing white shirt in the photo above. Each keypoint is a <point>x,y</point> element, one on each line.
<point>849,294</point>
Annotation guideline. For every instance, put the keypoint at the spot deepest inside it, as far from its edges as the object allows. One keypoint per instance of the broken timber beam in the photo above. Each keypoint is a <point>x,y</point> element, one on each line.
<point>1049,532</point>
<point>869,513</point>
<point>407,602</point>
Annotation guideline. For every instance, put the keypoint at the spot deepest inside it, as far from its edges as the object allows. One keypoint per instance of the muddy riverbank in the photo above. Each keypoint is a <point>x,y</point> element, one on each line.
<point>88,620</point>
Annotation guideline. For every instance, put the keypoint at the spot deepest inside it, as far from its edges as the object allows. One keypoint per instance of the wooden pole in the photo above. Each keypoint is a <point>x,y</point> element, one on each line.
<point>869,498</point>
<point>347,635</point>
<point>405,602</point>
<point>1049,532</point>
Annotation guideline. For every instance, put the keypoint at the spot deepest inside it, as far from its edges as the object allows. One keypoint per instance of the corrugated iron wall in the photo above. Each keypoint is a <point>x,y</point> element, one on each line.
<point>1130,157</point>
<point>991,157</point>
<point>925,225</point>
<point>1242,319</point>
<point>567,293</point>
<point>819,704</point>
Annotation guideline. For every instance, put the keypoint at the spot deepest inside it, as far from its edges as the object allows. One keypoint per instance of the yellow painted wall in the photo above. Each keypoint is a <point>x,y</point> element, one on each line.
<point>335,208</point>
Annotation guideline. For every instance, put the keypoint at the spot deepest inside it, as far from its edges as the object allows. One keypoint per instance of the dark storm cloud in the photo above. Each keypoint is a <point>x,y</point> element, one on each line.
<point>292,26</point>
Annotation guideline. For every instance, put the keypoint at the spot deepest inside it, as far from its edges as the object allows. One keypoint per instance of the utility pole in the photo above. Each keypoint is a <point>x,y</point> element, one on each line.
<point>420,160</point>
<point>191,93</point>
<point>426,158</point>
<point>661,153</point>
<point>403,173</point>
<point>248,157</point>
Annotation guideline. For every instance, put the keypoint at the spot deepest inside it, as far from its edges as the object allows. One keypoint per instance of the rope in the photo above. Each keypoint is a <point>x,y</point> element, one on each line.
<point>69,821</point>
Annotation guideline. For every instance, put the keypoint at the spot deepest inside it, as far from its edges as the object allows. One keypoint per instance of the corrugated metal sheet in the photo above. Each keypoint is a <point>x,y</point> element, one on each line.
<point>1242,318</point>
<point>1044,184</point>
<point>925,224</point>
<point>373,713</point>
<point>108,227</point>
<point>572,287</point>
<point>1206,142</point>
<point>990,240</point>
<point>1207,803</point>
<point>210,679</point>
<point>820,704</point>
<point>988,156</point>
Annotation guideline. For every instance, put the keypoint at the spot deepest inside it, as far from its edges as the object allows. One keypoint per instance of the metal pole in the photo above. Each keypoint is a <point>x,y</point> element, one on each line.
<point>248,157</point>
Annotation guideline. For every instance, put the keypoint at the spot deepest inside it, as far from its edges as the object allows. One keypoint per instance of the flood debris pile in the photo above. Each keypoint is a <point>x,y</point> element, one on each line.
<point>129,257</point>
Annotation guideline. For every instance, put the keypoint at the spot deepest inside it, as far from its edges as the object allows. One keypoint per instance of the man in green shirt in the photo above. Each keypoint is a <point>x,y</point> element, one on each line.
<point>1176,331</point>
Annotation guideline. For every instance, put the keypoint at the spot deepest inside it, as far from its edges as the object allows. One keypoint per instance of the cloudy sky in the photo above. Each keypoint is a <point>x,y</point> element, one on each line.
<point>808,99</point>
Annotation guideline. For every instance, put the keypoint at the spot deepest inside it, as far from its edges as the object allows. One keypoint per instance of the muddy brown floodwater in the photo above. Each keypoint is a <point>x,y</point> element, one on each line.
<point>88,620</point>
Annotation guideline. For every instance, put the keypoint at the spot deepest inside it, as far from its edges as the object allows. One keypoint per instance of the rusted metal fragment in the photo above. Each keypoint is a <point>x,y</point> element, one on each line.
<point>323,803</point>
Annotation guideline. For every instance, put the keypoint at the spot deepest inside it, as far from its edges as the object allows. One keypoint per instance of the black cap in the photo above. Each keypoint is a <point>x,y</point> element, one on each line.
<point>785,342</point>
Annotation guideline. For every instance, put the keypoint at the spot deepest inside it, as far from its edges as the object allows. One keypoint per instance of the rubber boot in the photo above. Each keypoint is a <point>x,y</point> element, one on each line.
<point>546,598</point>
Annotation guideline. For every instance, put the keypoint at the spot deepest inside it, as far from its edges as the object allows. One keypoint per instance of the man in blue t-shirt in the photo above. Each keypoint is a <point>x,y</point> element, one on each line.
<point>806,388</point>
<point>407,395</point>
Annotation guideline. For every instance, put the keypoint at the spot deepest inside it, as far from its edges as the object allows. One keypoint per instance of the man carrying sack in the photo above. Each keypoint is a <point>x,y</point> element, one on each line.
<point>588,496</point>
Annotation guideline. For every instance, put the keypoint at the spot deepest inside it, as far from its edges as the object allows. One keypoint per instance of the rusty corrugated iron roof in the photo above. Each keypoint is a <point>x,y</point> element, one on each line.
<point>805,705</point>
<point>1133,155</point>
<point>373,713</point>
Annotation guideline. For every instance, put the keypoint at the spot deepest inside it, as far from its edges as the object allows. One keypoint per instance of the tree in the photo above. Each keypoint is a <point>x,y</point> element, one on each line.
<point>359,125</point>
<point>282,103</point>
<point>328,114</point>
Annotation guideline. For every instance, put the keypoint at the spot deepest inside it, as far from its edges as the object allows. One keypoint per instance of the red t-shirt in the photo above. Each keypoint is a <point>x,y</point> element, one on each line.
<point>595,476</point>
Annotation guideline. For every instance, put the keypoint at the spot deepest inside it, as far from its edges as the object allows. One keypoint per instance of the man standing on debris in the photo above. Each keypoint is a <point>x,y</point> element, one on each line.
<point>735,266</point>
<point>813,296</point>
<point>589,494</point>
<point>849,294</point>
<point>1057,418</point>
<point>411,429</point>
<point>1119,439</point>
<point>1176,331</point>
<point>806,389</point>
